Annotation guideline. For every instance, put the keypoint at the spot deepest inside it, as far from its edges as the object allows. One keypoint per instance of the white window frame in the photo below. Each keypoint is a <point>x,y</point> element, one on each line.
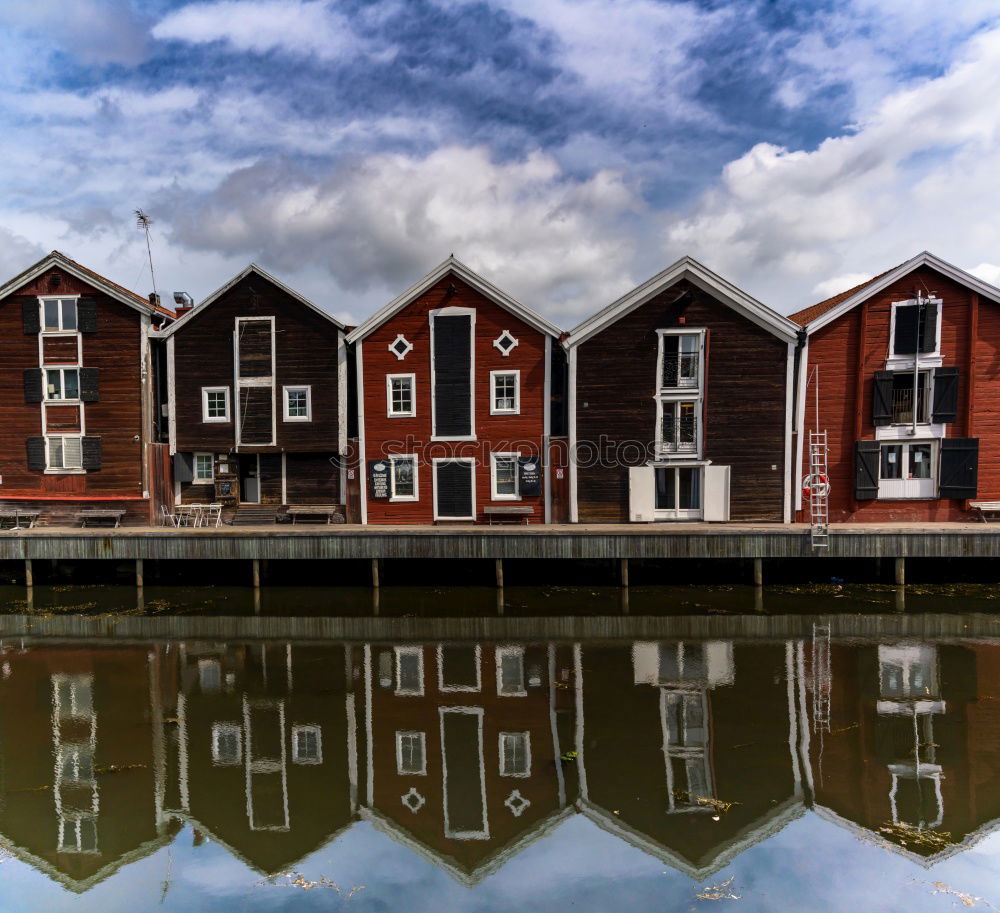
<point>422,738</point>
<point>204,405</point>
<point>308,417</point>
<point>501,652</point>
<point>406,351</point>
<point>456,312</point>
<point>231,728</point>
<point>318,732</point>
<point>199,480</point>
<point>498,343</point>
<point>692,451</point>
<point>931,483</point>
<point>62,369</point>
<point>516,372</point>
<point>688,394</point>
<point>41,315</point>
<point>679,513</point>
<point>685,391</point>
<point>896,362</point>
<point>527,754</point>
<point>434,464</point>
<point>494,494</point>
<point>70,470</point>
<point>419,653</point>
<point>453,688</point>
<point>389,411</point>
<point>393,497</point>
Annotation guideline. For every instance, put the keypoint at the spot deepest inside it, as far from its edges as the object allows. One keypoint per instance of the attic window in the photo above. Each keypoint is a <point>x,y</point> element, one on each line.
<point>400,347</point>
<point>506,343</point>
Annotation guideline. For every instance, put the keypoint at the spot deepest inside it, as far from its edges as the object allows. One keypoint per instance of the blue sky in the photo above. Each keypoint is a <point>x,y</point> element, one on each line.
<point>567,149</point>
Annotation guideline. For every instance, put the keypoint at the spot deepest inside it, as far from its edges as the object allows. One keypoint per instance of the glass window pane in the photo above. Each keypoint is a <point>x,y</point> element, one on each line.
<point>669,423</point>
<point>689,485</point>
<point>73,452</point>
<point>51,312</point>
<point>71,384</point>
<point>69,314</point>
<point>666,498</point>
<point>506,475</point>
<point>686,429</point>
<point>892,461</point>
<point>53,385</point>
<point>402,478</point>
<point>920,461</point>
<point>56,453</point>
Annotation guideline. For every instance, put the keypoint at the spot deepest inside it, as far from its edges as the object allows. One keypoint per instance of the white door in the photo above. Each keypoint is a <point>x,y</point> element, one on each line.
<point>716,498</point>
<point>641,494</point>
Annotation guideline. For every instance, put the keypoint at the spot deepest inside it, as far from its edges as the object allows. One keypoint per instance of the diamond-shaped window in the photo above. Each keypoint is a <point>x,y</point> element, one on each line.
<point>517,803</point>
<point>400,347</point>
<point>505,343</point>
<point>413,800</point>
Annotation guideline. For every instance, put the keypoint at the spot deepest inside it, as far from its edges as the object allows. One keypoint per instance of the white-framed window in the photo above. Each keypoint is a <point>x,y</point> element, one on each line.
<point>73,696</point>
<point>78,833</point>
<point>505,343</point>
<point>227,744</point>
<point>76,764</point>
<point>510,672</point>
<point>400,395</point>
<point>679,391</point>
<point>204,469</point>
<point>403,478</point>
<point>307,745</point>
<point>215,404</point>
<point>677,493</point>
<point>59,315</point>
<point>680,359</point>
<point>400,347</point>
<point>915,329</point>
<point>297,404</point>
<point>62,384</point>
<point>459,667</point>
<point>64,451</point>
<point>505,392</point>
<point>503,476</point>
<point>410,670</point>
<point>411,753</point>
<point>677,425</point>
<point>907,470</point>
<point>515,754</point>
<point>903,398</point>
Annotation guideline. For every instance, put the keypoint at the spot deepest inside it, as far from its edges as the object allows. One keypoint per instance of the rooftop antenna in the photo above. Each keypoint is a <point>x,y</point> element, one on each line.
<point>142,222</point>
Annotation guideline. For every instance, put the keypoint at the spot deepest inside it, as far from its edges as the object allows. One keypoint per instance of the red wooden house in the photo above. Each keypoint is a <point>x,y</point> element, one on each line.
<point>77,393</point>
<point>257,379</point>
<point>900,372</point>
<point>680,404</point>
<point>453,403</point>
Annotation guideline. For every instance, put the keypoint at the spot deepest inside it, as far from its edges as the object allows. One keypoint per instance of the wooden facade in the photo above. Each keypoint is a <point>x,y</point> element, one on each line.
<point>889,461</point>
<point>453,404</point>
<point>257,401</point>
<point>76,405</point>
<point>680,406</point>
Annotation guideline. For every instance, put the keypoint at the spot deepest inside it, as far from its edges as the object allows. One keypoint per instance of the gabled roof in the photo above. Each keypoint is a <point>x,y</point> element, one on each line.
<point>819,315</point>
<point>461,271</point>
<point>219,292</point>
<point>81,272</point>
<point>690,269</point>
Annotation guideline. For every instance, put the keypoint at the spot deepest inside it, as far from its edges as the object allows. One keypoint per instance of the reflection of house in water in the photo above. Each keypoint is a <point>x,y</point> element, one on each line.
<point>81,759</point>
<point>907,755</point>
<point>670,733</point>
<point>261,747</point>
<point>463,746</point>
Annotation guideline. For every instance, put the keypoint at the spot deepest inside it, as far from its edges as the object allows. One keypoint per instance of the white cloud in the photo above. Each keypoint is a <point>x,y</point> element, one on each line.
<point>553,241</point>
<point>837,284</point>
<point>918,174</point>
<point>17,253</point>
<point>988,272</point>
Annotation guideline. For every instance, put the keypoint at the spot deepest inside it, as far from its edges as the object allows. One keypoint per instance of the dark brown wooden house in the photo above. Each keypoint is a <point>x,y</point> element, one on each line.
<point>680,404</point>
<point>75,392</point>
<point>257,397</point>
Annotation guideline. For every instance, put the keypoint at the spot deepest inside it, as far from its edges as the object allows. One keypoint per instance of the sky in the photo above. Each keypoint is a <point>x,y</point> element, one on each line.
<point>566,149</point>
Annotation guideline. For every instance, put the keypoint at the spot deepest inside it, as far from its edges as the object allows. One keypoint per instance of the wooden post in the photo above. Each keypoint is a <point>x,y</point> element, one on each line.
<point>623,564</point>
<point>376,573</point>
<point>758,571</point>
<point>256,573</point>
<point>900,572</point>
<point>138,573</point>
<point>499,573</point>
<point>29,575</point>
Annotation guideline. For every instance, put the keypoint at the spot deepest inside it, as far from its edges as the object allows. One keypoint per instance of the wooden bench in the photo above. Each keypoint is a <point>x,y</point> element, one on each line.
<point>514,511</point>
<point>991,508</point>
<point>314,514</point>
<point>19,519</point>
<point>114,517</point>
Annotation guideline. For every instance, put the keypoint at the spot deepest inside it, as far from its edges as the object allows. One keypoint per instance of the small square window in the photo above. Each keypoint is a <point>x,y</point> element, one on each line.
<point>515,754</point>
<point>59,315</point>
<point>400,395</point>
<point>505,486</point>
<point>307,745</point>
<point>403,478</point>
<point>298,404</point>
<point>215,404</point>
<point>204,468</point>
<point>506,394</point>
<point>411,755</point>
<point>62,384</point>
<point>64,452</point>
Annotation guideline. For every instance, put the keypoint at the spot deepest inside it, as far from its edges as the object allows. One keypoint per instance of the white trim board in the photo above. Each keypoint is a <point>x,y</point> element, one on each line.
<point>699,275</point>
<point>458,269</point>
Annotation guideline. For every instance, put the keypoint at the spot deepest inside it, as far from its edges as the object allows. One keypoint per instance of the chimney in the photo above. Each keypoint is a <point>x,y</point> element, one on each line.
<point>154,299</point>
<point>183,303</point>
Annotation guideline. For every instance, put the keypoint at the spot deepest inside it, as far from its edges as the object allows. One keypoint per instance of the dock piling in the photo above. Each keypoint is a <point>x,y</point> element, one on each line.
<point>29,575</point>
<point>900,572</point>
<point>758,571</point>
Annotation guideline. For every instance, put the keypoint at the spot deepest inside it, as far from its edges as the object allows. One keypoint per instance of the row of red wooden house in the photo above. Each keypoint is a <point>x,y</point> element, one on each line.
<point>686,399</point>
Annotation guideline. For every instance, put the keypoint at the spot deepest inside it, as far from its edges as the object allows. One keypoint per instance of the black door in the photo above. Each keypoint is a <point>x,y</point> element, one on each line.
<point>453,490</point>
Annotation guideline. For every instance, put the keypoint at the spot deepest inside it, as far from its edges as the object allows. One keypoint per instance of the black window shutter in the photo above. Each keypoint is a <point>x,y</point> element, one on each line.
<point>882,398</point>
<point>866,456</point>
<point>945,395</point>
<point>33,385</point>
<point>86,315</point>
<point>31,315</point>
<point>928,328</point>
<point>183,467</point>
<point>959,467</point>
<point>454,490</point>
<point>91,453</point>
<point>905,337</point>
<point>452,381</point>
<point>36,453</point>
<point>529,481</point>
<point>89,386</point>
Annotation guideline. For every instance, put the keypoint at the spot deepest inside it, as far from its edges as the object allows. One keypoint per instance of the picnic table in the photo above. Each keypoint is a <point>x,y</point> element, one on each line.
<point>19,519</point>
<point>99,517</point>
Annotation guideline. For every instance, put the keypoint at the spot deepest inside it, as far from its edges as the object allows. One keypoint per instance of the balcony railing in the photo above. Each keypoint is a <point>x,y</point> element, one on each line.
<point>902,406</point>
<point>680,371</point>
<point>679,431</point>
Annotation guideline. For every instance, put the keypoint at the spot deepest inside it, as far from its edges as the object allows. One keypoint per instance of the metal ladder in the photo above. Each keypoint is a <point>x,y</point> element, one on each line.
<point>819,509</point>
